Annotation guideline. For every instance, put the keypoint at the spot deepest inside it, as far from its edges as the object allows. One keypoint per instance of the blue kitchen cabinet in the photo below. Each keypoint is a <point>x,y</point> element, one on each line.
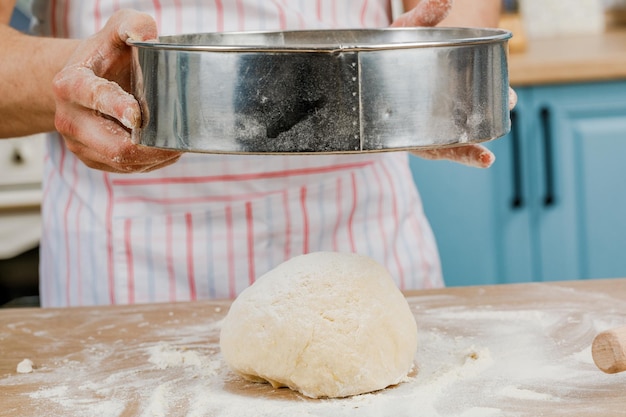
<point>553,206</point>
<point>20,18</point>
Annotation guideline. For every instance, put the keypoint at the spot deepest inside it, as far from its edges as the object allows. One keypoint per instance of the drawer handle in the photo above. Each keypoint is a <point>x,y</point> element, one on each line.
<point>549,198</point>
<point>17,158</point>
<point>517,201</point>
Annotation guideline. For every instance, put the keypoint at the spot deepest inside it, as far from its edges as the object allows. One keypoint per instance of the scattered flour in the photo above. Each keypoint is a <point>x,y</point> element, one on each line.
<point>481,412</point>
<point>166,356</point>
<point>25,367</point>
<point>525,394</point>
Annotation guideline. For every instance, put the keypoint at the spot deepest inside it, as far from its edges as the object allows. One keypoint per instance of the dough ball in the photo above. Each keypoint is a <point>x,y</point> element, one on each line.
<point>325,324</point>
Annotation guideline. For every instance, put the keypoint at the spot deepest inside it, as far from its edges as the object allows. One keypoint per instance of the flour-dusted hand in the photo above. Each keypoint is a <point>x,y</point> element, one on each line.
<point>473,155</point>
<point>432,13</point>
<point>425,13</point>
<point>95,113</point>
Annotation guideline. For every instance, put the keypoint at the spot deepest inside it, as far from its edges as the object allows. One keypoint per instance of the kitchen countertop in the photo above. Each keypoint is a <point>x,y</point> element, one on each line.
<point>570,59</point>
<point>518,349</point>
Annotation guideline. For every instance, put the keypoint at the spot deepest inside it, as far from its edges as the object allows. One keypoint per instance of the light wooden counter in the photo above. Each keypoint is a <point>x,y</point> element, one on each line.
<point>508,350</point>
<point>570,59</point>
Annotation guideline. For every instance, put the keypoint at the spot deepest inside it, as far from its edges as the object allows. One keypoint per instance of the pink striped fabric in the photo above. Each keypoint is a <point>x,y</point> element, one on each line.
<point>209,225</point>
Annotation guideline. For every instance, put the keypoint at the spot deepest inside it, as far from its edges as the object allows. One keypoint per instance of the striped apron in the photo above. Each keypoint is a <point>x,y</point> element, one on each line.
<point>208,225</point>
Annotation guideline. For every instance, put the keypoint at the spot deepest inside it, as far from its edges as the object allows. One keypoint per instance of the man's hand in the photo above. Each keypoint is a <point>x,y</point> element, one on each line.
<point>95,113</point>
<point>425,13</point>
<point>431,13</point>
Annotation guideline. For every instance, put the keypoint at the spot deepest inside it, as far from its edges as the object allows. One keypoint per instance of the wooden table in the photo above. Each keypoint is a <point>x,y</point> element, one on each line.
<point>521,350</point>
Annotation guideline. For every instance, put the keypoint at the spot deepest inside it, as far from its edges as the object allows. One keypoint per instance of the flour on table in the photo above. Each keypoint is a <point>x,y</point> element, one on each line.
<point>509,362</point>
<point>525,394</point>
<point>25,366</point>
<point>166,356</point>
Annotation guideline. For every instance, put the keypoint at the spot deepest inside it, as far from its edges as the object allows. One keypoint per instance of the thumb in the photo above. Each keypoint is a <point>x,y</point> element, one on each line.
<point>426,13</point>
<point>131,24</point>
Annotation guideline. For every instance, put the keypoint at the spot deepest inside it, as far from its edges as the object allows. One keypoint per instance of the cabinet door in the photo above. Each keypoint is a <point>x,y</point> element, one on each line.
<point>480,224</point>
<point>458,203</point>
<point>514,209</point>
<point>579,151</point>
<point>553,206</point>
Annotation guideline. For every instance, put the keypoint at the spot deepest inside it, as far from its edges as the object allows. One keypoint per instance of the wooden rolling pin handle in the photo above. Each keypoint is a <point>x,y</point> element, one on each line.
<point>609,350</point>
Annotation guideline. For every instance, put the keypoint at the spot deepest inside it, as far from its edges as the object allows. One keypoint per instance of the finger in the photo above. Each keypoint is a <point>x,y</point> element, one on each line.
<point>163,164</point>
<point>103,144</point>
<point>79,85</point>
<point>86,155</point>
<point>124,25</point>
<point>121,164</point>
<point>108,48</point>
<point>426,13</point>
<point>512,99</point>
<point>131,24</point>
<point>474,155</point>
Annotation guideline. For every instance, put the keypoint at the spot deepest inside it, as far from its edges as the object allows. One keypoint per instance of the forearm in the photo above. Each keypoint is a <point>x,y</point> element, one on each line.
<point>28,66</point>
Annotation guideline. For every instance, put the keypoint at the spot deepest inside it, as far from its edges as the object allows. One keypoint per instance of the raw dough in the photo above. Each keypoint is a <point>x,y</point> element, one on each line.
<point>326,324</point>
